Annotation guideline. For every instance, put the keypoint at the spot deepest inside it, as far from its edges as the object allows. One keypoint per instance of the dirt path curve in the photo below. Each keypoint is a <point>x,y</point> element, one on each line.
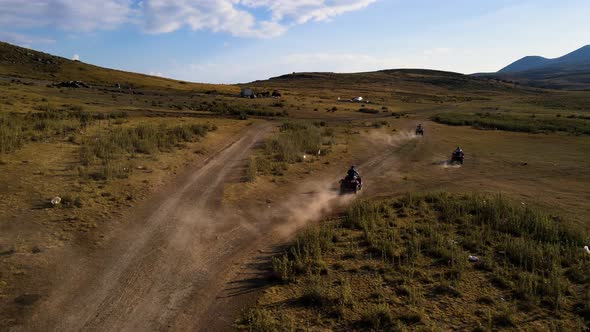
<point>169,257</point>
<point>185,264</point>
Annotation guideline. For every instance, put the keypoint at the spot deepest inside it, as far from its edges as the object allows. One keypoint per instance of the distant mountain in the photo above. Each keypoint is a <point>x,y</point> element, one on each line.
<point>570,72</point>
<point>526,63</point>
<point>578,57</point>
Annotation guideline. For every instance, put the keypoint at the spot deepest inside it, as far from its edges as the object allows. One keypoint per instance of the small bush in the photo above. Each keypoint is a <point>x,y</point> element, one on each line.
<point>504,319</point>
<point>368,110</point>
<point>252,170</point>
<point>411,317</point>
<point>377,316</point>
<point>259,320</point>
<point>315,292</point>
<point>282,268</point>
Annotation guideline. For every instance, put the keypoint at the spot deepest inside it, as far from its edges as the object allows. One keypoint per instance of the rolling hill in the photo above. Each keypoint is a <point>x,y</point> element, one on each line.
<point>23,63</point>
<point>569,72</point>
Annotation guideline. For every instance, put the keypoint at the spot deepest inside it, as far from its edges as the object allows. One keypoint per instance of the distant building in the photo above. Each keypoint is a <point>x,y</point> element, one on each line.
<point>247,93</point>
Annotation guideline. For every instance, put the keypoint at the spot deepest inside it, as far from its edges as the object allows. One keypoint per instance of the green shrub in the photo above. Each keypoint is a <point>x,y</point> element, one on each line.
<point>282,268</point>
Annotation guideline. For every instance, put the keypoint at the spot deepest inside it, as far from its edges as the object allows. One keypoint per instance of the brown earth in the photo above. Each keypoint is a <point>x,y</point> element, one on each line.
<point>191,261</point>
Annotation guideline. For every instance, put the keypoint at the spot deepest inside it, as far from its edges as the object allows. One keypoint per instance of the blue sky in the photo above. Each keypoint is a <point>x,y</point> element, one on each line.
<point>229,41</point>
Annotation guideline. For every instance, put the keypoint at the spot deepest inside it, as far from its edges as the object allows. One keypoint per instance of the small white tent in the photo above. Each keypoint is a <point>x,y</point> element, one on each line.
<point>247,93</point>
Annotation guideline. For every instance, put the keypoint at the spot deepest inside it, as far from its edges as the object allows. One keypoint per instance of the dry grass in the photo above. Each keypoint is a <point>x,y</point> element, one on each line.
<point>530,123</point>
<point>413,271</point>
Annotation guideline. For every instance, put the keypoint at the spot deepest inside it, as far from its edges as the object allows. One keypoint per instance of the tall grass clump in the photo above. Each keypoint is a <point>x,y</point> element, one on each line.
<point>515,122</point>
<point>377,317</point>
<point>504,216</point>
<point>293,141</point>
<point>364,215</point>
<point>12,135</point>
<point>252,170</point>
<point>259,320</point>
<point>48,123</point>
<point>306,255</point>
<point>110,146</point>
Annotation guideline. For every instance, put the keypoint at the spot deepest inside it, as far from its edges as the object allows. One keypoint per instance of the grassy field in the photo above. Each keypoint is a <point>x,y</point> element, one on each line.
<point>404,263</point>
<point>105,148</point>
<point>529,123</point>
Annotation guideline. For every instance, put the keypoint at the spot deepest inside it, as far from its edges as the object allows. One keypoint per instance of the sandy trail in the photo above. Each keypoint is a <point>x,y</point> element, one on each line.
<point>178,266</point>
<point>151,270</point>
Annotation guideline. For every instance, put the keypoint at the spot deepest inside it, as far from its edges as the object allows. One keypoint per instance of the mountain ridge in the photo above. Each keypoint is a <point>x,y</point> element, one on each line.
<point>535,62</point>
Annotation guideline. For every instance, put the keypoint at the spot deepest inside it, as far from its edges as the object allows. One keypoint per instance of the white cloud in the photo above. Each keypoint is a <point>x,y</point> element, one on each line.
<point>76,57</point>
<point>303,11</point>
<point>152,73</point>
<point>235,17</point>
<point>74,15</point>
<point>163,16</point>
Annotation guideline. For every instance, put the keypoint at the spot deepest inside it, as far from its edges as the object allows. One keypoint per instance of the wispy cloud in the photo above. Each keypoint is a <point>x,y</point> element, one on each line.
<point>234,17</point>
<point>87,15</point>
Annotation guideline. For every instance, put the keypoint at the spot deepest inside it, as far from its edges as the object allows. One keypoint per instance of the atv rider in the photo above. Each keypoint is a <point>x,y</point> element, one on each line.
<point>353,174</point>
<point>420,130</point>
<point>458,153</point>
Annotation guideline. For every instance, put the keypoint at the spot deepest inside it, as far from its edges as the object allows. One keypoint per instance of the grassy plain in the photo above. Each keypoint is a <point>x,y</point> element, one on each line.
<point>404,264</point>
<point>105,148</point>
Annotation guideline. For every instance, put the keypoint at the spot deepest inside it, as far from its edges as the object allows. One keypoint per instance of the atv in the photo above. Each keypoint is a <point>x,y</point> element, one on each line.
<point>457,158</point>
<point>350,185</point>
<point>420,131</point>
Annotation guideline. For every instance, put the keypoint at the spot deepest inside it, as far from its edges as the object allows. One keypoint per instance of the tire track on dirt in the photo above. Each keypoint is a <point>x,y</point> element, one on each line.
<point>172,271</point>
<point>310,202</point>
<point>151,270</point>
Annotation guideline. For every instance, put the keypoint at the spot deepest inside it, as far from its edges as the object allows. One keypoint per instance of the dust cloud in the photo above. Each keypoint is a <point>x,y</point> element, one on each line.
<point>316,200</point>
<point>395,140</point>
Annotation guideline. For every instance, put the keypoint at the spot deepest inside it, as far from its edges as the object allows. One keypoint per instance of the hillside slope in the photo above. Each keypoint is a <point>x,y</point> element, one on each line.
<point>570,72</point>
<point>18,62</point>
<point>406,85</point>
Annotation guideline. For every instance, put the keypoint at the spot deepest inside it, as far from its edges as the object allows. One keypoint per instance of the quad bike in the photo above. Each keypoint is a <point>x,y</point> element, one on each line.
<point>350,185</point>
<point>457,158</point>
<point>420,131</point>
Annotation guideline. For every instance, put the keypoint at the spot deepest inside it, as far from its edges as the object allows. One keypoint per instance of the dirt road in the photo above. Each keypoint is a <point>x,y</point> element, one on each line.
<point>183,262</point>
<point>168,259</point>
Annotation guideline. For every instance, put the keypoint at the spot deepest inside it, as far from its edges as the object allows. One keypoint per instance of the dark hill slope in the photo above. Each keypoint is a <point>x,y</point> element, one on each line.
<point>570,72</point>
<point>400,81</point>
<point>19,62</point>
